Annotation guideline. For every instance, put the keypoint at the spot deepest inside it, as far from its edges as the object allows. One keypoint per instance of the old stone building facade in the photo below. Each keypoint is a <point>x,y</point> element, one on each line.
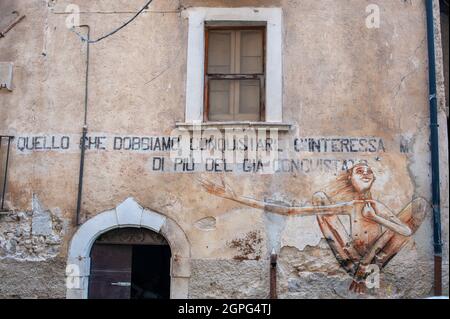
<point>334,94</point>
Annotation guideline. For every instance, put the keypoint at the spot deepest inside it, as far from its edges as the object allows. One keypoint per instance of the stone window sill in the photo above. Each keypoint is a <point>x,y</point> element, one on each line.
<point>281,127</point>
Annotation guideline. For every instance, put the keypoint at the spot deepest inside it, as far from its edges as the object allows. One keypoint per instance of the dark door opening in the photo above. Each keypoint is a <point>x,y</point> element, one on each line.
<point>150,275</point>
<point>130,264</point>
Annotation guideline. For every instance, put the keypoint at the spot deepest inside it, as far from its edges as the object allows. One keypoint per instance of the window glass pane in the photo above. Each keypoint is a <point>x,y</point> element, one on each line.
<point>251,51</point>
<point>249,100</point>
<point>220,100</point>
<point>219,52</point>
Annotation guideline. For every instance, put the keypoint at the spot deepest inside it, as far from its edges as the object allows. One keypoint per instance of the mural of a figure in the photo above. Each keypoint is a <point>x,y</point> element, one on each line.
<point>375,234</point>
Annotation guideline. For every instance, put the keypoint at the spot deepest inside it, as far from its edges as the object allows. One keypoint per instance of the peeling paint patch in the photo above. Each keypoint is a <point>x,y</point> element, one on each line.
<point>275,225</point>
<point>41,223</point>
<point>249,247</point>
<point>31,236</point>
<point>311,259</point>
<point>301,232</point>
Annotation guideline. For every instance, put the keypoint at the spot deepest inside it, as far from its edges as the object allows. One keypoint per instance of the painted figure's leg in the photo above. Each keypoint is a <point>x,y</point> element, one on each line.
<point>337,237</point>
<point>390,243</point>
<point>412,215</point>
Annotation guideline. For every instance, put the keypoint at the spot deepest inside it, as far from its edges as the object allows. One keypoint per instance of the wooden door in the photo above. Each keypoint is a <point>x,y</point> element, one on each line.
<point>111,267</point>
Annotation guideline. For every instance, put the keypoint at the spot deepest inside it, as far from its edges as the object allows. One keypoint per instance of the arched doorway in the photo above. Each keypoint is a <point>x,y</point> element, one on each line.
<point>128,214</point>
<point>130,263</point>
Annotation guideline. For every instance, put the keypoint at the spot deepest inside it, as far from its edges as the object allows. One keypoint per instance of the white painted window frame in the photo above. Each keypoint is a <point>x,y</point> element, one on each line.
<point>196,57</point>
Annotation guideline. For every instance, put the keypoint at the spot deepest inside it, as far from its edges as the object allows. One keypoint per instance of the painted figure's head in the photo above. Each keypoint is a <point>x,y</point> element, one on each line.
<point>361,177</point>
<point>355,183</point>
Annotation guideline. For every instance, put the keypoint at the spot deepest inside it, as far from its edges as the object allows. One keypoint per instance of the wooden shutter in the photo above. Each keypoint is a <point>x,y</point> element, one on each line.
<point>235,74</point>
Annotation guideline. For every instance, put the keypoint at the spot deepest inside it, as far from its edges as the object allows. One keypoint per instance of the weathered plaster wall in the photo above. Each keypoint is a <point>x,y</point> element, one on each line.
<point>340,80</point>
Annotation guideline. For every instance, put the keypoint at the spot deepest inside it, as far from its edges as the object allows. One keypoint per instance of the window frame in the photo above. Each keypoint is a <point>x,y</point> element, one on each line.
<point>198,17</point>
<point>5,159</point>
<point>261,77</point>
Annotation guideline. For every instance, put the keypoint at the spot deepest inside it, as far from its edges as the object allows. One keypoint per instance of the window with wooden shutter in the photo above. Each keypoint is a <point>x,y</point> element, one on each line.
<point>234,74</point>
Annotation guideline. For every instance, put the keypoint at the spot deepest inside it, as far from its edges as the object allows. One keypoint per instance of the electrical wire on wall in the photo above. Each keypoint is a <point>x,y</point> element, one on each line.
<point>85,124</point>
<point>83,38</point>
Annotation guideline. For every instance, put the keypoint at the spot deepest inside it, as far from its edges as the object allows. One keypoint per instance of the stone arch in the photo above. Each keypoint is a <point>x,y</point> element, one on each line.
<point>127,214</point>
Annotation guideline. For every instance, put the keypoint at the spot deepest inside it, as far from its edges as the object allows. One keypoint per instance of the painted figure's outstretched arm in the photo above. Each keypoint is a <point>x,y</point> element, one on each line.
<point>225,191</point>
<point>384,216</point>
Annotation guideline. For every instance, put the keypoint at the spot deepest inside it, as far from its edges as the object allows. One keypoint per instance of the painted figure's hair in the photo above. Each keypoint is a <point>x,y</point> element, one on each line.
<point>342,189</point>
